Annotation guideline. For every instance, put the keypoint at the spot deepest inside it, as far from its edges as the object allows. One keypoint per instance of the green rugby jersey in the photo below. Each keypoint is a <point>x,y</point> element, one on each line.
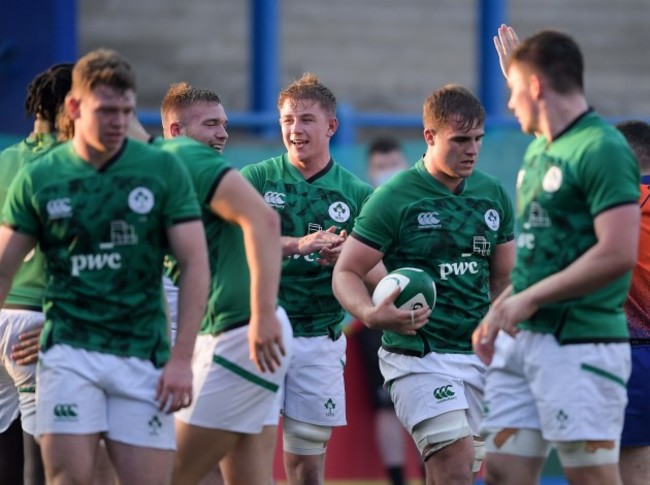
<point>29,281</point>
<point>561,188</point>
<point>418,222</point>
<point>103,234</point>
<point>229,301</point>
<point>332,197</point>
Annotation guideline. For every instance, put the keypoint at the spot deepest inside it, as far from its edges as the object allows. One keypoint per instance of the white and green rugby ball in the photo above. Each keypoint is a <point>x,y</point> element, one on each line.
<point>418,289</point>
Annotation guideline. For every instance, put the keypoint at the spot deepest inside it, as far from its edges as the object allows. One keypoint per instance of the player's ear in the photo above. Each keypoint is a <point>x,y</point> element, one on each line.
<point>430,136</point>
<point>536,86</point>
<point>72,106</point>
<point>175,129</point>
<point>332,126</point>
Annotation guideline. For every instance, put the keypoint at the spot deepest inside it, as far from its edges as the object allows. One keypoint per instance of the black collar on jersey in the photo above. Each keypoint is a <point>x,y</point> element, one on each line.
<point>573,123</point>
<point>645,179</point>
<point>114,158</point>
<point>457,191</point>
<point>318,175</point>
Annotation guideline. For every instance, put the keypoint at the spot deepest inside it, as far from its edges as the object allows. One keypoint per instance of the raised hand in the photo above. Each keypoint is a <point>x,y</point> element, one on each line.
<point>505,42</point>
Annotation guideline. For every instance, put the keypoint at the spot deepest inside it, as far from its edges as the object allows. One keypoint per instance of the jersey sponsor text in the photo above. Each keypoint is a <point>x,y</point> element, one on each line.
<point>457,269</point>
<point>95,262</point>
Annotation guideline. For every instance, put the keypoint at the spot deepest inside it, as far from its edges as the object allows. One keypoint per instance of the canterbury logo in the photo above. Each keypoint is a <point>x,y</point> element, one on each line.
<point>59,208</point>
<point>275,199</point>
<point>65,411</point>
<point>428,219</point>
<point>444,392</point>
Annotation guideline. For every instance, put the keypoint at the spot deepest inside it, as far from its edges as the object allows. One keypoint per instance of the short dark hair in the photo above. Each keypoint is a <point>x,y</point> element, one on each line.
<point>384,144</point>
<point>47,91</point>
<point>556,56</point>
<point>452,103</point>
<point>637,134</point>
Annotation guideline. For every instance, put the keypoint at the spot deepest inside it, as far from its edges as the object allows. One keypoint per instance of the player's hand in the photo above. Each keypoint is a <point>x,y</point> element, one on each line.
<point>329,256</point>
<point>174,390</point>
<point>505,42</point>
<point>483,340</point>
<point>505,314</point>
<point>386,316</point>
<point>485,334</point>
<point>319,240</point>
<point>508,311</point>
<point>25,352</point>
<point>265,344</point>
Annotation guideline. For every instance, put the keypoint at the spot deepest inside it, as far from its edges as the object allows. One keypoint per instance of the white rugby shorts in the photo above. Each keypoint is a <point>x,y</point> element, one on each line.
<point>230,393</point>
<point>17,382</point>
<point>85,392</point>
<point>568,392</point>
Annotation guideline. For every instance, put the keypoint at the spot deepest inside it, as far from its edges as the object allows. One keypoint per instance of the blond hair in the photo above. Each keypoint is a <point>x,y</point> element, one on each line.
<point>309,88</point>
<point>102,67</point>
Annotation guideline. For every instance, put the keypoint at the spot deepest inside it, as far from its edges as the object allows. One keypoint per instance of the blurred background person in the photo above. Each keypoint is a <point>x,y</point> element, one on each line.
<point>23,309</point>
<point>385,159</point>
<point>634,458</point>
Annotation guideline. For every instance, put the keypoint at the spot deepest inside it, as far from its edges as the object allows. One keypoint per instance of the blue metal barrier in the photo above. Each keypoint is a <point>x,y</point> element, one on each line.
<point>350,121</point>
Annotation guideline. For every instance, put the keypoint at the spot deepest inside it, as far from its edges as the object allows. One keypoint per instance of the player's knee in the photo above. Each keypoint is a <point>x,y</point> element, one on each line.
<point>302,438</point>
<point>519,442</point>
<point>587,453</point>
<point>434,434</point>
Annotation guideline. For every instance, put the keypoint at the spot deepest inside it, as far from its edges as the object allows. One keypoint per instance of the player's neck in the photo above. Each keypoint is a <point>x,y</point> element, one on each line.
<point>310,167</point>
<point>42,126</point>
<point>452,182</point>
<point>92,156</point>
<point>558,113</point>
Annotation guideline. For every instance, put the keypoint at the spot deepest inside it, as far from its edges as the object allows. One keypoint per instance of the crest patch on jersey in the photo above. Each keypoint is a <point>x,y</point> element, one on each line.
<point>141,200</point>
<point>339,211</point>
<point>492,219</point>
<point>552,180</point>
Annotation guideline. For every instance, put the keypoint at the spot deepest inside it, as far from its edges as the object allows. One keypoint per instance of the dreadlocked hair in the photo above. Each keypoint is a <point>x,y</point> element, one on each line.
<point>47,92</point>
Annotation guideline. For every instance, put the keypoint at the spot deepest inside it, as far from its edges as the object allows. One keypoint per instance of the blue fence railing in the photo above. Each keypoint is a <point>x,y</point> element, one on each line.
<point>350,121</point>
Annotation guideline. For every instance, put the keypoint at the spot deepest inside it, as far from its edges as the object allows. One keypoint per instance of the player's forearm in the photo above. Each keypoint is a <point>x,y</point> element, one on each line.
<point>263,250</point>
<point>613,254</point>
<point>498,283</point>
<point>14,246</point>
<point>290,246</point>
<point>590,272</point>
<point>351,292</point>
<point>374,276</point>
<point>5,286</point>
<point>192,298</point>
<point>501,264</point>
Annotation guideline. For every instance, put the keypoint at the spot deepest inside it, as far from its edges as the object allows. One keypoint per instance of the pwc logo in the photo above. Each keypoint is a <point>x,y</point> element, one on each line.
<point>94,262</point>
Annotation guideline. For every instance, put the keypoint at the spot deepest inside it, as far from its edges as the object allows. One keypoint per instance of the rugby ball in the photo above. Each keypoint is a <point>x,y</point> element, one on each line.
<point>418,289</point>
